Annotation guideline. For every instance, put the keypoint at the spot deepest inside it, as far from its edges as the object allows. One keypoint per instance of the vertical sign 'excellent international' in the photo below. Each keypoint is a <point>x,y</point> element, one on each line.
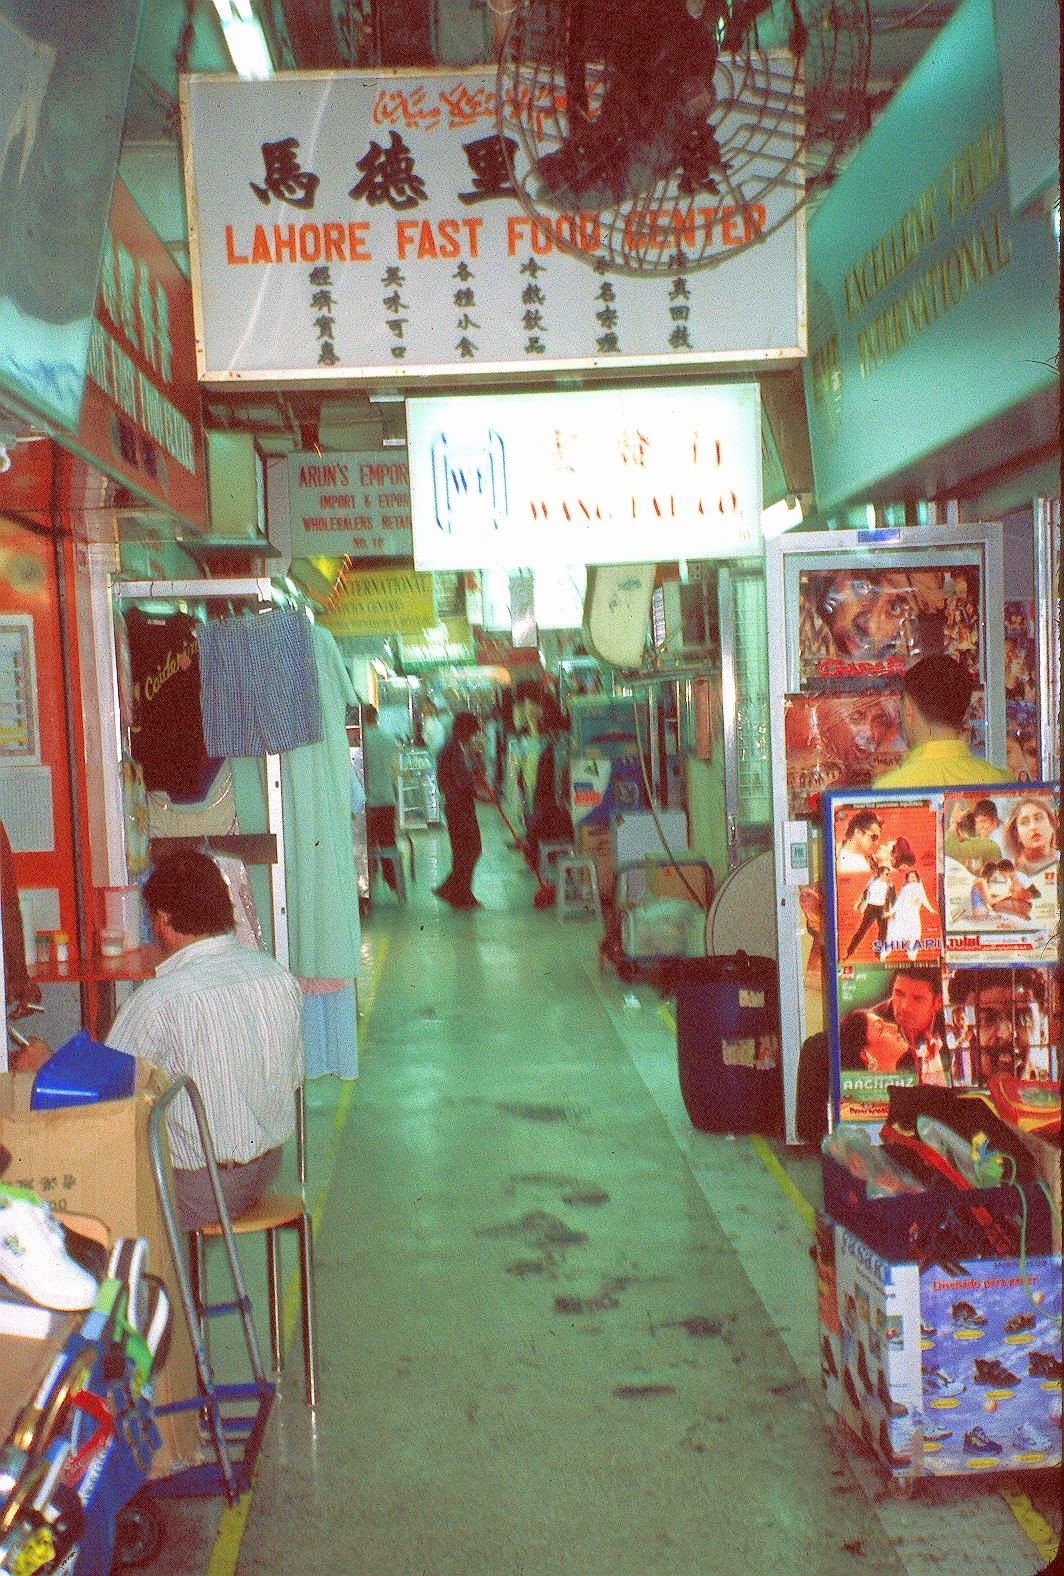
<point>364,222</point>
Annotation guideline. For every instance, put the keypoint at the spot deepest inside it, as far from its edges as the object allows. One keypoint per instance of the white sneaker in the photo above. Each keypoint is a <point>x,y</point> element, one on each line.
<point>33,1258</point>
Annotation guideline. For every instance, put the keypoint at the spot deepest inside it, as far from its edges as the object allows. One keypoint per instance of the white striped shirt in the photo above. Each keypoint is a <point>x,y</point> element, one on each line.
<point>229,1018</point>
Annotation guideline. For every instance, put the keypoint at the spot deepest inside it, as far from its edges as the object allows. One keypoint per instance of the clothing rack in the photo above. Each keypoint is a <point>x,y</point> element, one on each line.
<point>253,848</point>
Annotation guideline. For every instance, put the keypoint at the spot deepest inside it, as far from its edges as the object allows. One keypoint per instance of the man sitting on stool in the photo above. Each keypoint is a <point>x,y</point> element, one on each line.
<point>226,1016</point>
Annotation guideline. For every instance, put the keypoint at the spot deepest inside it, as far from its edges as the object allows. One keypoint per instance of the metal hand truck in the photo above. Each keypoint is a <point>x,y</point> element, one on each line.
<point>234,1415</point>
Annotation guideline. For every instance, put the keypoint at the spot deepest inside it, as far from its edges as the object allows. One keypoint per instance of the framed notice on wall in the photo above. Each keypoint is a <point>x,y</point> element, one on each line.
<point>19,739</point>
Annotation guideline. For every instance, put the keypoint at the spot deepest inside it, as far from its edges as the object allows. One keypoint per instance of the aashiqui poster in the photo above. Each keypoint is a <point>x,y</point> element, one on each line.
<point>1002,1020</point>
<point>886,882</point>
<point>838,740</point>
<point>869,624</point>
<point>1001,865</point>
<point>891,1031</point>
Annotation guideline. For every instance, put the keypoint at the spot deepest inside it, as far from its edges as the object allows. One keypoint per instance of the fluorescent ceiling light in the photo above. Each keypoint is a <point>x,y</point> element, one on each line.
<point>780,517</point>
<point>244,39</point>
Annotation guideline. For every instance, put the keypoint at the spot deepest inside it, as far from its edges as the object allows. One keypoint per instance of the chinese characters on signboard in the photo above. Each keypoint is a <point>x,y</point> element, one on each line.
<point>346,223</point>
<point>140,417</point>
<point>592,477</point>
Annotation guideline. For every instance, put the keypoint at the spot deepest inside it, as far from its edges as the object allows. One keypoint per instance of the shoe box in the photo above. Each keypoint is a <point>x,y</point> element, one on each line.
<point>94,1160</point>
<point>879,1317</point>
<point>888,1224</point>
<point>828,1313</point>
<point>936,1370</point>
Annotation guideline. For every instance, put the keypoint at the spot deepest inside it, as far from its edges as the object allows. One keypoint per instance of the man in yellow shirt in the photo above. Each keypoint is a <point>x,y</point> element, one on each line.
<point>935,696</point>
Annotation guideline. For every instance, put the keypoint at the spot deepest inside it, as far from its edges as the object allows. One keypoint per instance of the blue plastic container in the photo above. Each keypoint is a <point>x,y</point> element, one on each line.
<point>83,1072</point>
<point>723,1005</point>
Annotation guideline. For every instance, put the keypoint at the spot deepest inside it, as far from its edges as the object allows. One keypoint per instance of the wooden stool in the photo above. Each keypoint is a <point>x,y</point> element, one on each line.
<point>577,888</point>
<point>549,856</point>
<point>274,1212</point>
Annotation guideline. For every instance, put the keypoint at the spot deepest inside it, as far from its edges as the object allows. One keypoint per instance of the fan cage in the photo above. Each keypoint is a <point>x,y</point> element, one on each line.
<point>781,125</point>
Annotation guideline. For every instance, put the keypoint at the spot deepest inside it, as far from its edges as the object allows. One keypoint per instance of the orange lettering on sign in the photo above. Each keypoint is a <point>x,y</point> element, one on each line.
<point>446,238</point>
<point>231,254</point>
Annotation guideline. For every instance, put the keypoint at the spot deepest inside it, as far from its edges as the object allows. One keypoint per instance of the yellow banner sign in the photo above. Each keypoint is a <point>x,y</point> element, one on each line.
<point>390,602</point>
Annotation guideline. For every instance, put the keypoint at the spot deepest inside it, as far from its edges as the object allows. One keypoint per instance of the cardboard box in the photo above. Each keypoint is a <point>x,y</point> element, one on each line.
<point>937,1373</point>
<point>94,1160</point>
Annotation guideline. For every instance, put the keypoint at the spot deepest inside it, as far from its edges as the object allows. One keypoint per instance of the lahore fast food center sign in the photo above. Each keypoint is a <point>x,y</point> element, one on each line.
<point>358,223</point>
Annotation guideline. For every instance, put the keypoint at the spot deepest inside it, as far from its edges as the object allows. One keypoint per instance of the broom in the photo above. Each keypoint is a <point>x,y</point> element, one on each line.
<point>545,894</point>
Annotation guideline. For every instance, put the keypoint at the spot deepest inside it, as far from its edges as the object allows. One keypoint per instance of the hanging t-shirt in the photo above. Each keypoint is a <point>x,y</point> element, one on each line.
<point>167,725</point>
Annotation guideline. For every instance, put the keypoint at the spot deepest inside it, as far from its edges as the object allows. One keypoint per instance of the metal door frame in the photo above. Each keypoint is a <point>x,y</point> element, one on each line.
<point>914,547</point>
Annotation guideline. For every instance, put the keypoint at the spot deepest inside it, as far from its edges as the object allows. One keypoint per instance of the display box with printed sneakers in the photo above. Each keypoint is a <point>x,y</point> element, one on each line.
<point>94,1160</point>
<point>828,1312</point>
<point>880,1319</point>
<point>948,1374</point>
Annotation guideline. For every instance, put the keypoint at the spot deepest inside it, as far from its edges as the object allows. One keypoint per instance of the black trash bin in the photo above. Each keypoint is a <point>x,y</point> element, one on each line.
<point>728,1044</point>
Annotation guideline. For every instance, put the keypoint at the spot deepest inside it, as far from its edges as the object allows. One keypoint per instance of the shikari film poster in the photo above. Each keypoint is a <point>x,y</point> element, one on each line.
<point>887,862</point>
<point>1002,1021</point>
<point>838,740</point>
<point>867,625</point>
<point>1001,852</point>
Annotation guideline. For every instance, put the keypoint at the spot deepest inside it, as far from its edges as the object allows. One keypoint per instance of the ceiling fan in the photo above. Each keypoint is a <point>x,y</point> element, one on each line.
<point>651,113</point>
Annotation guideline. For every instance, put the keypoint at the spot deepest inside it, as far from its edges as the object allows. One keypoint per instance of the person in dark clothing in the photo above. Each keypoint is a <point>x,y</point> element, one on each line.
<point>454,775</point>
<point>550,821</point>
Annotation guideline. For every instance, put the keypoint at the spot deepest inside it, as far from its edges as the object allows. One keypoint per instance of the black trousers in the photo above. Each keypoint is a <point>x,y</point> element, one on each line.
<point>380,833</point>
<point>874,914</point>
<point>463,832</point>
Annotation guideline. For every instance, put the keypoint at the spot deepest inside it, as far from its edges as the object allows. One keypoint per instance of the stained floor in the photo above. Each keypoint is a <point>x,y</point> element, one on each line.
<point>562,1333</point>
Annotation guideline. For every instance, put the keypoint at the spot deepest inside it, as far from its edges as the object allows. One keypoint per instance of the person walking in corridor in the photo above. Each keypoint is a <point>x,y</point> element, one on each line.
<point>454,774</point>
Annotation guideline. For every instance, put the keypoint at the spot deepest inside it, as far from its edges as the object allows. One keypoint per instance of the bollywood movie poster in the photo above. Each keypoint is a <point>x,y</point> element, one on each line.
<point>1021,692</point>
<point>1001,851</point>
<point>887,906</point>
<point>838,740</point>
<point>1002,1020</point>
<point>888,1029</point>
<point>863,627</point>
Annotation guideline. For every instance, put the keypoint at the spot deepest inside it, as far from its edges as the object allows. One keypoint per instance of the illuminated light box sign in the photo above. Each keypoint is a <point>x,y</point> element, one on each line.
<point>356,505</point>
<point>597,477</point>
<point>364,223</point>
<point>391,602</point>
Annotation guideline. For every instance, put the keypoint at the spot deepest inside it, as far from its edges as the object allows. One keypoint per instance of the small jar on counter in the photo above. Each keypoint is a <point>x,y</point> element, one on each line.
<point>112,943</point>
<point>60,947</point>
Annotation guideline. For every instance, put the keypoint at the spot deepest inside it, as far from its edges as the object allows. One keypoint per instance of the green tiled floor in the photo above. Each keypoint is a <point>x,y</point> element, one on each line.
<point>560,1331</point>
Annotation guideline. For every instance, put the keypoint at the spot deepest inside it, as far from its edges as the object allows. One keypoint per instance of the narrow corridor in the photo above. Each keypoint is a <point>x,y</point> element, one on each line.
<point>561,1332</point>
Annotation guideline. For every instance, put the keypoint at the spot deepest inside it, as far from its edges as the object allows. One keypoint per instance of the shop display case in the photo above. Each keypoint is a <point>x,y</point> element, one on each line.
<point>419,802</point>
